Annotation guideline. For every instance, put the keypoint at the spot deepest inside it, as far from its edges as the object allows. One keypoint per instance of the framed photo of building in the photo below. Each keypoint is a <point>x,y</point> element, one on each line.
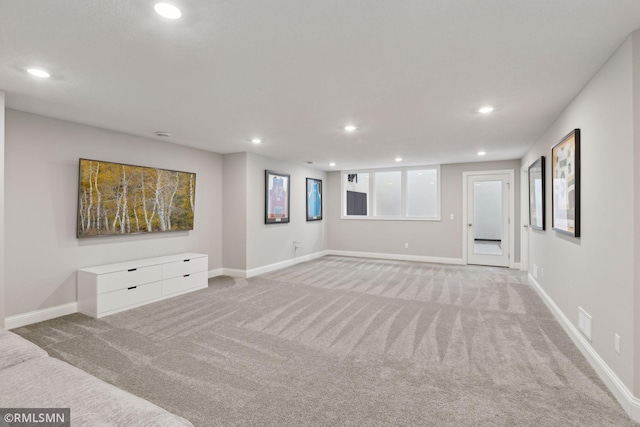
<point>277,187</point>
<point>565,190</point>
<point>314,199</point>
<point>537,195</point>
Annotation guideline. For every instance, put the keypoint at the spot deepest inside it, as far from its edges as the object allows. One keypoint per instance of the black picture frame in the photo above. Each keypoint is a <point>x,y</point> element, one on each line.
<point>277,197</point>
<point>127,182</point>
<point>537,202</point>
<point>565,185</point>
<point>313,198</point>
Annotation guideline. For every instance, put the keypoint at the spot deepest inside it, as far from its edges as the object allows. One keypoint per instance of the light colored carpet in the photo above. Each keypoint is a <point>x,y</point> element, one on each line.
<point>346,341</point>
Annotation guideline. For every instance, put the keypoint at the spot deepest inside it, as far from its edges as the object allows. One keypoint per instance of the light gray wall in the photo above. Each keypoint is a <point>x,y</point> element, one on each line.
<point>272,243</point>
<point>41,166</point>
<point>635,40</point>
<point>2,269</point>
<point>487,205</point>
<point>595,271</point>
<point>234,210</point>
<point>441,239</point>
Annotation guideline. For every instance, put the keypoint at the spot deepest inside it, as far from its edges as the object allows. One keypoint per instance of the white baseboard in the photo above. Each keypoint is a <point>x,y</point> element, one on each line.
<point>24,319</point>
<point>629,402</point>
<point>234,272</point>
<point>400,257</point>
<point>282,264</point>
<point>215,273</point>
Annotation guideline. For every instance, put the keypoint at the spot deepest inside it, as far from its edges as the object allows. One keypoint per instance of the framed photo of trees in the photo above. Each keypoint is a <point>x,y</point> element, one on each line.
<point>117,199</point>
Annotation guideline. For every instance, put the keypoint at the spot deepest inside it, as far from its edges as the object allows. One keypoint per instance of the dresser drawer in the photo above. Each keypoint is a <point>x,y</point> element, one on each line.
<point>125,279</point>
<point>184,283</point>
<point>186,266</point>
<point>129,296</point>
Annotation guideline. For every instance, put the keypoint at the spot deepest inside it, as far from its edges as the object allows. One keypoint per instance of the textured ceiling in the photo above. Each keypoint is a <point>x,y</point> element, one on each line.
<point>409,73</point>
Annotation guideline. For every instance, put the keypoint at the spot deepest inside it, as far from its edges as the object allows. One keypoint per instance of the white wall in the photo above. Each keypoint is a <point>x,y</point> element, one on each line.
<point>41,166</point>
<point>487,210</point>
<point>636,198</point>
<point>596,270</point>
<point>272,243</point>
<point>439,239</point>
<point>2,269</point>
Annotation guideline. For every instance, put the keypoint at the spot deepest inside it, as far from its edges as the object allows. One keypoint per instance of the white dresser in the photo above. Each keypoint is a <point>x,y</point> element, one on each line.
<point>108,289</point>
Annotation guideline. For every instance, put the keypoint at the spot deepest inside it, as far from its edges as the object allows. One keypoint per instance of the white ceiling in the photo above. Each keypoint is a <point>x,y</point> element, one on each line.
<point>410,73</point>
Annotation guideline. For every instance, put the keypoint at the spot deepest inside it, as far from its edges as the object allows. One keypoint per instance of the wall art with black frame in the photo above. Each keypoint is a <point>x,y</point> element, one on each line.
<point>565,190</point>
<point>277,189</point>
<point>314,199</point>
<point>120,199</point>
<point>537,195</point>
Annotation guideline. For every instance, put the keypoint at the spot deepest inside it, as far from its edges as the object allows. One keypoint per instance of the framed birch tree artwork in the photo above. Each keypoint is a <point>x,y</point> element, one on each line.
<point>117,199</point>
<point>565,190</point>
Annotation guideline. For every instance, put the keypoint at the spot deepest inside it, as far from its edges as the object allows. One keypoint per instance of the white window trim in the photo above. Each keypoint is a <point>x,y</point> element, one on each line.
<point>371,195</point>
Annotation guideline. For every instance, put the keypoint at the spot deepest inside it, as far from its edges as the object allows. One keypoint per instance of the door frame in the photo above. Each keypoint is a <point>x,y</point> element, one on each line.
<point>524,219</point>
<point>512,212</point>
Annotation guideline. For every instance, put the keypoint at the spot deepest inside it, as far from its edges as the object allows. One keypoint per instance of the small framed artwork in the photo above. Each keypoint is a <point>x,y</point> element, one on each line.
<point>565,190</point>
<point>314,199</point>
<point>536,195</point>
<point>276,206</point>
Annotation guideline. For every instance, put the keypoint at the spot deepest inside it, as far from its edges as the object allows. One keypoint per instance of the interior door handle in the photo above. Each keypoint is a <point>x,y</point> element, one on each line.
<point>470,225</point>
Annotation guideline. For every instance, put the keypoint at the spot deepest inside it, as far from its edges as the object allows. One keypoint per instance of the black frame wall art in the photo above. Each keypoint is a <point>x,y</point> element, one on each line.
<point>565,190</point>
<point>276,197</point>
<point>537,208</point>
<point>120,199</point>
<point>314,199</point>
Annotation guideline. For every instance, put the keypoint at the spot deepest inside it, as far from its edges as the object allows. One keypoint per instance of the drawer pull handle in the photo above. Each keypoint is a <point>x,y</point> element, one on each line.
<point>132,269</point>
<point>186,275</point>
<point>187,260</point>
<point>133,287</point>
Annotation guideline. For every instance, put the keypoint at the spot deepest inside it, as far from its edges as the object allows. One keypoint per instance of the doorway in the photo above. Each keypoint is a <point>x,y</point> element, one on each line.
<point>488,236</point>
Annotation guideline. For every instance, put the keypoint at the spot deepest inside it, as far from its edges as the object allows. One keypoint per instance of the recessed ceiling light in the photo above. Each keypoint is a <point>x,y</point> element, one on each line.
<point>481,153</point>
<point>350,128</point>
<point>485,110</point>
<point>398,159</point>
<point>256,141</point>
<point>38,72</point>
<point>167,10</point>
<point>332,164</point>
<point>163,134</point>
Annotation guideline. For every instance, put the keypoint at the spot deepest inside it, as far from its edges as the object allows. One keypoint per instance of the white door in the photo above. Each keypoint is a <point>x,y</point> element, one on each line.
<point>488,220</point>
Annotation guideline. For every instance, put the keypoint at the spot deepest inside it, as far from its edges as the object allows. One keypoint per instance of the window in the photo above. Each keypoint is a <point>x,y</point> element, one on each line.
<point>388,193</point>
<point>357,197</point>
<point>402,194</point>
<point>422,193</point>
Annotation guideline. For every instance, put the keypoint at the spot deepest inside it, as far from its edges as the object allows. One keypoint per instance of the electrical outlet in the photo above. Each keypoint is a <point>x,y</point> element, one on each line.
<point>584,322</point>
<point>406,246</point>
<point>535,271</point>
<point>616,343</point>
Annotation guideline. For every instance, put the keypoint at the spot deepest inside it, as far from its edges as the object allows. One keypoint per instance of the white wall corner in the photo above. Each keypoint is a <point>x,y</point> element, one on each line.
<point>625,397</point>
